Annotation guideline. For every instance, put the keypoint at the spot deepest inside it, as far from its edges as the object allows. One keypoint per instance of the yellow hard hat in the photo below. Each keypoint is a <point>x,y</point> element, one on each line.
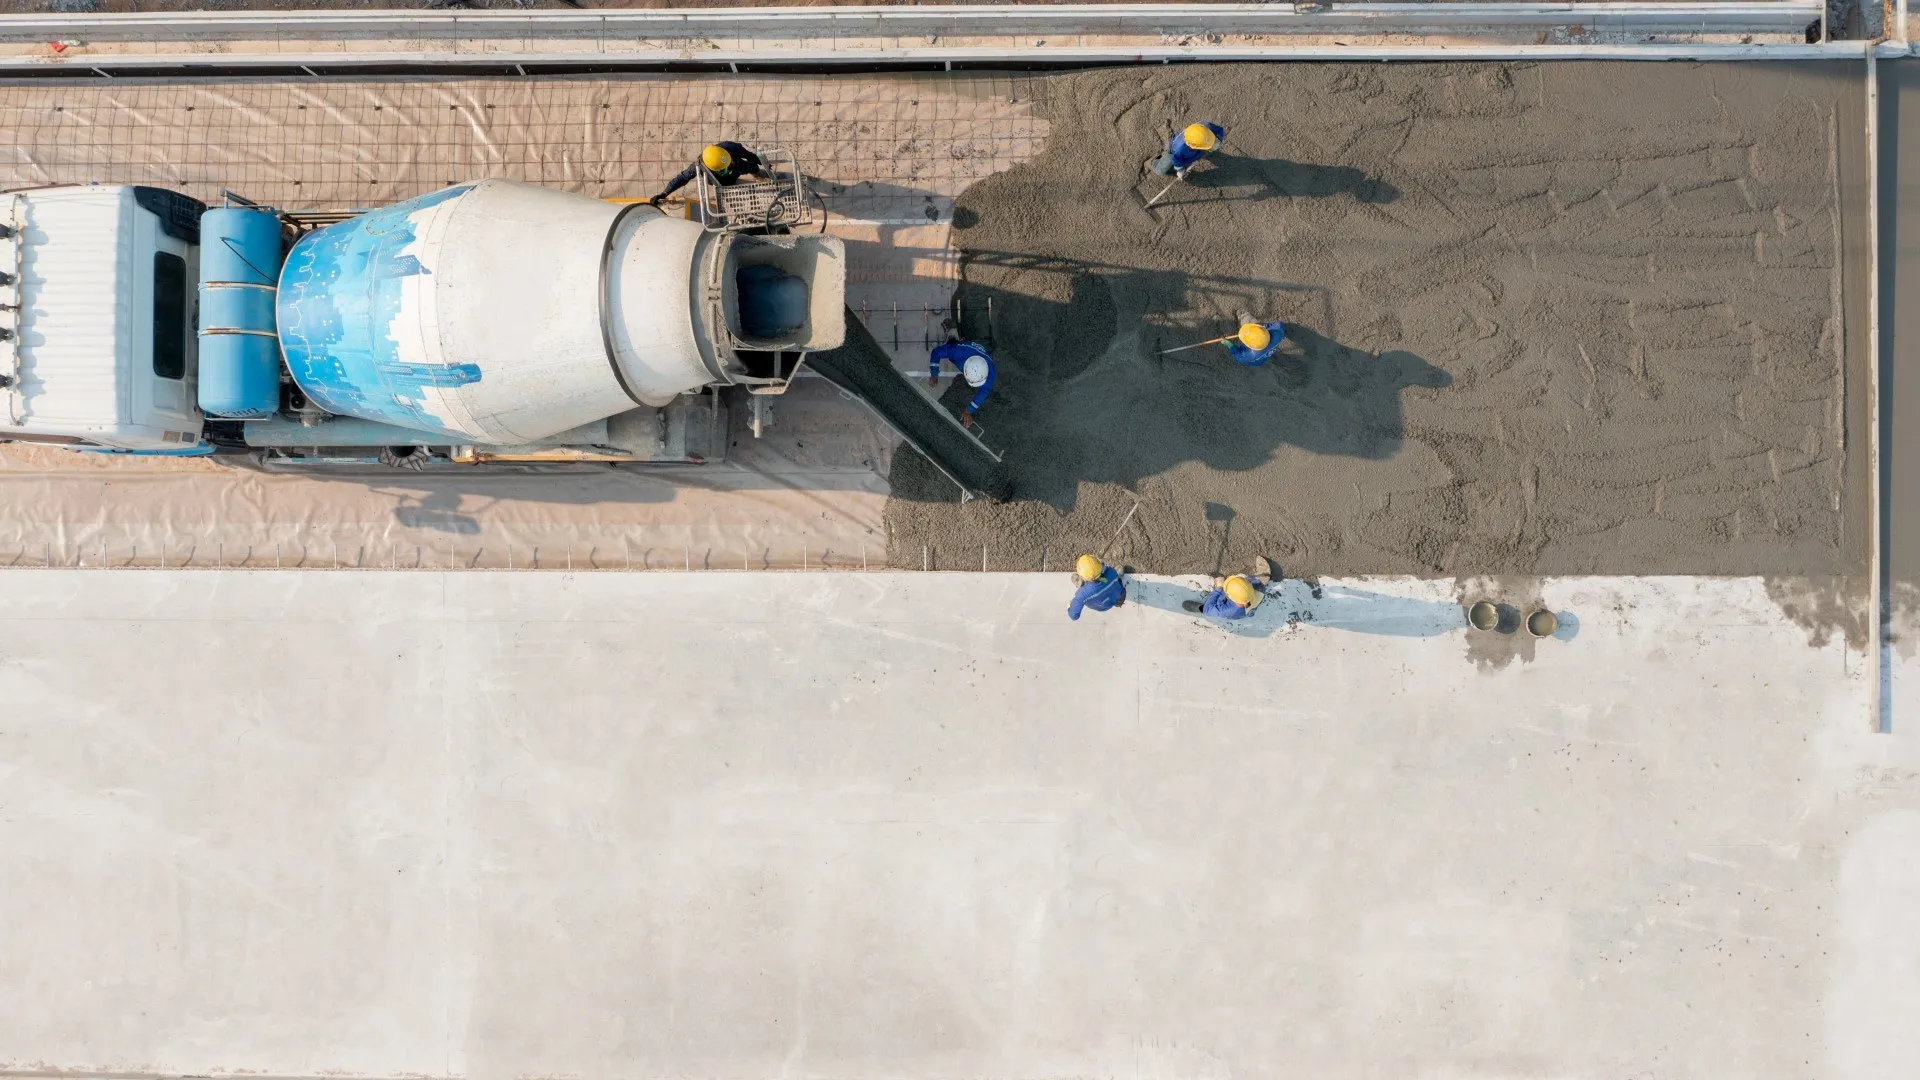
<point>1254,336</point>
<point>1200,137</point>
<point>1240,590</point>
<point>1089,568</point>
<point>715,158</point>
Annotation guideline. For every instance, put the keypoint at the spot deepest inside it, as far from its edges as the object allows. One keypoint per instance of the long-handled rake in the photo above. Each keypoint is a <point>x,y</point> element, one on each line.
<point>1197,344</point>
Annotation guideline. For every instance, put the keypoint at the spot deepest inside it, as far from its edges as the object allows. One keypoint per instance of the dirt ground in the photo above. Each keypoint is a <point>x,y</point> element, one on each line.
<point>1576,318</point>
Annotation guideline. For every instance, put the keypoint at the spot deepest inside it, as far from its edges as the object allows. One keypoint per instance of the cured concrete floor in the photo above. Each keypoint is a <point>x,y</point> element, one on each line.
<point>494,825</point>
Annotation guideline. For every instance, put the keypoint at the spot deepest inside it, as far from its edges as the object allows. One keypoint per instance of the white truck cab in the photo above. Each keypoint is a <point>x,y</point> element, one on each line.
<point>97,318</point>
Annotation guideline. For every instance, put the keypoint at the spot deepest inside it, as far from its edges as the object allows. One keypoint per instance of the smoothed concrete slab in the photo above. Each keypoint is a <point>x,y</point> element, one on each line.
<point>920,825</point>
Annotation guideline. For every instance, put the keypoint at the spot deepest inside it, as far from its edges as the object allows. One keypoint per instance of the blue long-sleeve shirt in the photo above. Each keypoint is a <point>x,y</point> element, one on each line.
<point>1221,606</point>
<point>1182,155</point>
<point>1100,594</point>
<point>1243,355</point>
<point>743,162</point>
<point>957,352</point>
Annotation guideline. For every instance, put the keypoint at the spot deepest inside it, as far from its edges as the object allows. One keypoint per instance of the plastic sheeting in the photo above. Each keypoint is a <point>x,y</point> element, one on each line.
<point>808,494</point>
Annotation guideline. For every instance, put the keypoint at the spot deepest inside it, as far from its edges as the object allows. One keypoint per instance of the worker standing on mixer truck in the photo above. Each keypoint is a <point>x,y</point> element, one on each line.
<point>1187,147</point>
<point>1256,341</point>
<point>726,162</point>
<point>1101,587</point>
<point>975,364</point>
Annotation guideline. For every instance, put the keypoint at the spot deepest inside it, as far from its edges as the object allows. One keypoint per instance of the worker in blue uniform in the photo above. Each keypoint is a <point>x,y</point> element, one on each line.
<point>975,364</point>
<point>1234,598</point>
<point>726,162</point>
<point>1256,342</point>
<point>1101,587</point>
<point>1187,147</point>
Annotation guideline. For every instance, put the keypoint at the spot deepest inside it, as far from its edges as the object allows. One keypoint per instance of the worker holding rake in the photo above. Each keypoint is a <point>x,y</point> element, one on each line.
<point>1250,346</point>
<point>1187,147</point>
<point>1256,342</point>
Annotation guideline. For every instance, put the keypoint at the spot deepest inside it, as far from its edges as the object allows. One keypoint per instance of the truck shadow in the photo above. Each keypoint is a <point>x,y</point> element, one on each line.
<point>1084,392</point>
<point>1298,603</point>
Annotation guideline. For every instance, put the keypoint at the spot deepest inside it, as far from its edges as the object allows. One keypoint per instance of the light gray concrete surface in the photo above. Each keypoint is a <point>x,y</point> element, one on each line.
<point>835,825</point>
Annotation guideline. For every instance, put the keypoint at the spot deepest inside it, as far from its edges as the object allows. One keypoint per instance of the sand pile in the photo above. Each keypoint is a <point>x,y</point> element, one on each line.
<point>1573,318</point>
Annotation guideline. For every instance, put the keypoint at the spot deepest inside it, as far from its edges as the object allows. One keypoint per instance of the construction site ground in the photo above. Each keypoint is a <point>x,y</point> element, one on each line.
<point>1567,318</point>
<point>1586,339</point>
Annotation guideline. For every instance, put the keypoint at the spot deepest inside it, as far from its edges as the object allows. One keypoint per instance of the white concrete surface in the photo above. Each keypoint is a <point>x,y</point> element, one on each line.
<point>837,825</point>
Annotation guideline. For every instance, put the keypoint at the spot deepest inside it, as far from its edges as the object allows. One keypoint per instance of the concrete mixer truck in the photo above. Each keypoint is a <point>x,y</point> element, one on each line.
<point>490,321</point>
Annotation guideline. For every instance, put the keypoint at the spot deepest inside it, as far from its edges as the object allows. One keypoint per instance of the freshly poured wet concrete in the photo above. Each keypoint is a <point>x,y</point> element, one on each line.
<point>1577,318</point>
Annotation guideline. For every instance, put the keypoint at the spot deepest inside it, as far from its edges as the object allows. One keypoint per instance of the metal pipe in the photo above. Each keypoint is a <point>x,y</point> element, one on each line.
<point>774,53</point>
<point>1876,555</point>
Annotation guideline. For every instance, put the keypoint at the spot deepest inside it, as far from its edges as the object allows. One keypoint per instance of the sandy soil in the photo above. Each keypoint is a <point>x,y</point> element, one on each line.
<point>1578,318</point>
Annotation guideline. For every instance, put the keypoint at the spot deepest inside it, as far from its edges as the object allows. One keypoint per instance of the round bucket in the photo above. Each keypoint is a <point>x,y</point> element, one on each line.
<point>1483,615</point>
<point>1542,623</point>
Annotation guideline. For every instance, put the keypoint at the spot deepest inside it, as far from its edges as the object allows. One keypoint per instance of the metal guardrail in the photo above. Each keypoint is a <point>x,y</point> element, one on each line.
<point>1074,20</point>
<point>328,41</point>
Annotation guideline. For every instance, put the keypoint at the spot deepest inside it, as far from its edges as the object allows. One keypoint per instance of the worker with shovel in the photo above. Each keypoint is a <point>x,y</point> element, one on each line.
<point>975,364</point>
<point>1101,587</point>
<point>726,162</point>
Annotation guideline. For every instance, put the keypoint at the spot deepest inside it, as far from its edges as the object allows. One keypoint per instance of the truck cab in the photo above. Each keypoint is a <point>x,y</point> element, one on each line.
<point>97,318</point>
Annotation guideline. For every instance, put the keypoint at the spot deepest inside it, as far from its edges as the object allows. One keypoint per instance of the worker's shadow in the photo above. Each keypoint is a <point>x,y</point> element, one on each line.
<point>1293,604</point>
<point>1236,178</point>
<point>438,511</point>
<point>1083,393</point>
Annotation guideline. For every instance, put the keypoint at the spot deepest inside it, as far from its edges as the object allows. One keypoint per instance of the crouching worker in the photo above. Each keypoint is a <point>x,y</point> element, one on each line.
<point>976,366</point>
<point>1101,587</point>
<point>1234,598</point>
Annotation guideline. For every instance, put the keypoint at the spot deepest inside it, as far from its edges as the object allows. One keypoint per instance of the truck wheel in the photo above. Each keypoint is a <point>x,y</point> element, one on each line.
<point>404,457</point>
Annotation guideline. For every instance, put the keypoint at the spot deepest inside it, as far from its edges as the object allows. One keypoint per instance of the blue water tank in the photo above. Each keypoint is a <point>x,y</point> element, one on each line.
<point>239,348</point>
